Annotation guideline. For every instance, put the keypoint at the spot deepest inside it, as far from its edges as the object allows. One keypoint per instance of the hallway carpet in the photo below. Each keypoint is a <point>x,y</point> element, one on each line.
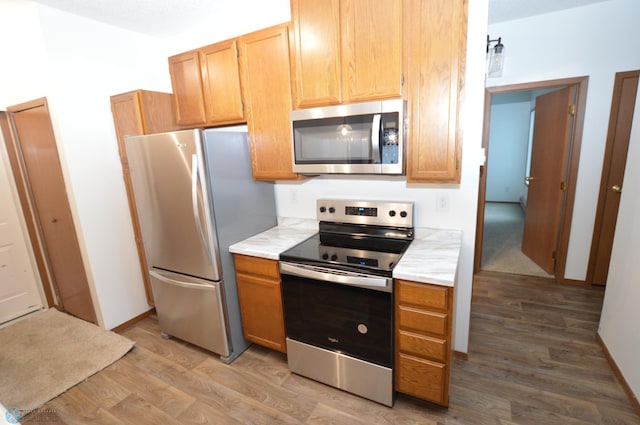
<point>502,241</point>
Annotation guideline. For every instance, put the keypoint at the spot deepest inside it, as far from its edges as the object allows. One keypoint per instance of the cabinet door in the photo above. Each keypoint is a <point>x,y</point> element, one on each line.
<point>315,53</point>
<point>186,80</point>
<point>264,62</point>
<point>127,117</point>
<point>221,78</point>
<point>371,48</point>
<point>436,47</point>
<point>261,310</point>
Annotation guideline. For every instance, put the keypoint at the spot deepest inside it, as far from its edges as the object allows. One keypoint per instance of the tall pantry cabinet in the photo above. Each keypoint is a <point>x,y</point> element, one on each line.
<point>136,113</point>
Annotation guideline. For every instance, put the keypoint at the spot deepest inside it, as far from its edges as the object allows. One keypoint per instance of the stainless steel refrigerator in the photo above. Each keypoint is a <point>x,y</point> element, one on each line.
<point>195,196</point>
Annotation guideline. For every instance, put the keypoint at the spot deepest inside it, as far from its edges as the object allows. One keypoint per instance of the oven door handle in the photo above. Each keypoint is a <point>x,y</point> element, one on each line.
<point>377,283</point>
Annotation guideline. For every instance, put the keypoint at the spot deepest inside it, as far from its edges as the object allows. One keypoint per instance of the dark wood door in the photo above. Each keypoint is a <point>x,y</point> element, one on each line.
<point>615,160</point>
<point>37,145</point>
<point>550,148</point>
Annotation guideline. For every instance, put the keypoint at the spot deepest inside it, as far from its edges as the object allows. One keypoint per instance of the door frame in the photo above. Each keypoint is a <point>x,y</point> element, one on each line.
<point>572,174</point>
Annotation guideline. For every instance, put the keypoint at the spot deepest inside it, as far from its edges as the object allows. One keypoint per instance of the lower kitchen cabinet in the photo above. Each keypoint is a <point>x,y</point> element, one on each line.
<point>423,318</point>
<point>260,301</point>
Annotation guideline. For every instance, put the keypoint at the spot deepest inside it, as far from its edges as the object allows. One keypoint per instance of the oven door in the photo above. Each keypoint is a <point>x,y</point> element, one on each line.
<point>332,314</point>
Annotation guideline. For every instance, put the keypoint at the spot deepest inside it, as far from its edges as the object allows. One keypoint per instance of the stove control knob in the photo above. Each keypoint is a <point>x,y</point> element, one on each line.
<point>334,257</point>
<point>392,213</point>
<point>403,214</point>
<point>323,209</point>
<point>332,210</point>
<point>325,256</point>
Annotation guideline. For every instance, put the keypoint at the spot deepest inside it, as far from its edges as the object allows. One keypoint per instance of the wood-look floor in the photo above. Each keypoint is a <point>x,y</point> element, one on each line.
<point>533,359</point>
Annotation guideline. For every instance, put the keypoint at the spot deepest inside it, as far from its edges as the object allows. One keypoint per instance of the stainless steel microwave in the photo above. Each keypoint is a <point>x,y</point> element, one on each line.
<point>359,138</point>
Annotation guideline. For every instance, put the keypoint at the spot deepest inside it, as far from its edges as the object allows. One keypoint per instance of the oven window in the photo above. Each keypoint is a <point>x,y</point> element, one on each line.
<point>350,320</point>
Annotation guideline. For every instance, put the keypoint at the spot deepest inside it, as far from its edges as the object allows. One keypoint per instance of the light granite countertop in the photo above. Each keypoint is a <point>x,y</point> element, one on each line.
<point>270,243</point>
<point>432,257</point>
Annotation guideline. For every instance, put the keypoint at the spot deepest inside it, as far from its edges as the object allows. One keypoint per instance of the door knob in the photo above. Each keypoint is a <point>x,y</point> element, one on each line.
<point>529,179</point>
<point>616,188</point>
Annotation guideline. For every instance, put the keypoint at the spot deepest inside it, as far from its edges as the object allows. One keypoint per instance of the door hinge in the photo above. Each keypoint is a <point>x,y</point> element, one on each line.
<point>563,186</point>
<point>457,164</point>
<point>572,109</point>
<point>554,255</point>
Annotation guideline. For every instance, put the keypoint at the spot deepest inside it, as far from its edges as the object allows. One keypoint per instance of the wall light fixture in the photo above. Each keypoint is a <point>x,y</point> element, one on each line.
<point>496,57</point>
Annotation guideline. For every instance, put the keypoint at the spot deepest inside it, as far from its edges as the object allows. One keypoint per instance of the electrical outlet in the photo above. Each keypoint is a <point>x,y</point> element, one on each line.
<point>442,202</point>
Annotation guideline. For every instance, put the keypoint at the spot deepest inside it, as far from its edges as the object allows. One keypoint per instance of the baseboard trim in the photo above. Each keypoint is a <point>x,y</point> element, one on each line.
<point>573,282</point>
<point>460,355</point>
<point>136,319</point>
<point>616,371</point>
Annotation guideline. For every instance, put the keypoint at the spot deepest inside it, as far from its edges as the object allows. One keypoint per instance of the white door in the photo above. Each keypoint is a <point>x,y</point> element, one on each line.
<point>19,284</point>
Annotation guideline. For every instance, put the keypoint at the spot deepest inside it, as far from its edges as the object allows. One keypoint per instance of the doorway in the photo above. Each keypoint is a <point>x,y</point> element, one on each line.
<point>502,210</point>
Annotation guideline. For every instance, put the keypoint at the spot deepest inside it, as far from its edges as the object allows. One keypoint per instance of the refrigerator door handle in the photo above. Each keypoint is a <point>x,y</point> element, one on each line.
<point>196,209</point>
<point>181,284</point>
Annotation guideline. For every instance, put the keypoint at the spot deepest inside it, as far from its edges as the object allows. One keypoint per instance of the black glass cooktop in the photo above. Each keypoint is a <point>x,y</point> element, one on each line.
<point>367,248</point>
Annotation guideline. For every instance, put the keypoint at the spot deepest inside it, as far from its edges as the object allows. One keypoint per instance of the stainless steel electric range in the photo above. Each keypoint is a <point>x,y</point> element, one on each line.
<point>338,295</point>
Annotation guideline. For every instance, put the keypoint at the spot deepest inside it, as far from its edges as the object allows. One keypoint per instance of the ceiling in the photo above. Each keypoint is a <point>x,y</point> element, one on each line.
<point>163,18</point>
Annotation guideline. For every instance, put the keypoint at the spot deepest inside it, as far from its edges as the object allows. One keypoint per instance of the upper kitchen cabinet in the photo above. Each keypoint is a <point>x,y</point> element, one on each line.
<point>206,85</point>
<point>345,51</point>
<point>264,64</point>
<point>135,113</point>
<point>435,42</point>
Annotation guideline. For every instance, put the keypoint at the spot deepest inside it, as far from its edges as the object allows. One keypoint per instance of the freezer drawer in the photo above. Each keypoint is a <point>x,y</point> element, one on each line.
<point>190,309</point>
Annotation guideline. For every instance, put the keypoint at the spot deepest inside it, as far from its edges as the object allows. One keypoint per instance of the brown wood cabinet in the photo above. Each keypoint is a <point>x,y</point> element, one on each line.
<point>435,51</point>
<point>423,317</point>
<point>206,85</point>
<point>135,113</point>
<point>264,64</point>
<point>345,51</point>
<point>260,297</point>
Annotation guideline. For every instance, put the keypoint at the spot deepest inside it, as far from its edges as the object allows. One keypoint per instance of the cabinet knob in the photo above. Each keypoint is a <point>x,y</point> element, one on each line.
<point>616,188</point>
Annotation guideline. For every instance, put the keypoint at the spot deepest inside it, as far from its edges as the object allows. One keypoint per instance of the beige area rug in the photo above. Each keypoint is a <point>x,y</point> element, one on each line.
<point>49,352</point>
<point>502,241</point>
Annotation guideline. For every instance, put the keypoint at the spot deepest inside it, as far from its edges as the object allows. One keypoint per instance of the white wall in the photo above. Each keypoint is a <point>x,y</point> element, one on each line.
<point>298,199</point>
<point>508,141</point>
<point>233,18</point>
<point>82,59</point>
<point>78,64</point>
<point>596,40</point>
<point>23,54</point>
<point>620,313</point>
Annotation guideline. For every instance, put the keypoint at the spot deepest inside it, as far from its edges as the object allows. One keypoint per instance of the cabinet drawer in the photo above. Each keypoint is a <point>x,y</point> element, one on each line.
<point>421,320</point>
<point>421,378</point>
<point>256,266</point>
<point>422,346</point>
<point>422,294</point>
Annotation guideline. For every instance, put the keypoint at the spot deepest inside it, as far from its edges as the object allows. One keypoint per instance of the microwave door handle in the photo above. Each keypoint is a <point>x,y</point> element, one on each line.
<point>375,139</point>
